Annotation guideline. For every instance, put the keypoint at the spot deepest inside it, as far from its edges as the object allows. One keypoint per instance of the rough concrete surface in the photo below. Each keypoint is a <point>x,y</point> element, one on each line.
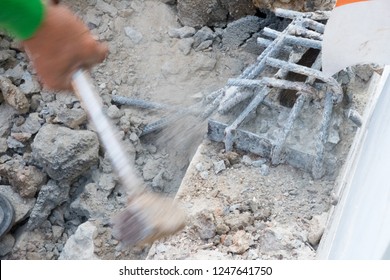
<point>61,183</point>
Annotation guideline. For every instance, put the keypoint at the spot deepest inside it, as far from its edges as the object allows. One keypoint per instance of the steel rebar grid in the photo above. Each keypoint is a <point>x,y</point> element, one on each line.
<point>276,152</point>
<point>298,25</point>
<point>335,96</point>
<point>254,70</point>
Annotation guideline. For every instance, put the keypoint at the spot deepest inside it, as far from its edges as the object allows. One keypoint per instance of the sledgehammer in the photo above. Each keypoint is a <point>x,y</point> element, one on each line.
<point>148,216</point>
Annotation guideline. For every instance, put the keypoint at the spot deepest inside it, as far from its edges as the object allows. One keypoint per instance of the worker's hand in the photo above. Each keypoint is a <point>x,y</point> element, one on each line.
<point>62,45</point>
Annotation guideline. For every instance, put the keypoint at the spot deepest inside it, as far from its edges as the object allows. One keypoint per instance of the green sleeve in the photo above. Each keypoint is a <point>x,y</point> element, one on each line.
<point>21,18</point>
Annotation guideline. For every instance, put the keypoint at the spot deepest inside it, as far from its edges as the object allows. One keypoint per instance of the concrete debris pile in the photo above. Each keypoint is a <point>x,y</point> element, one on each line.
<point>56,175</point>
<point>197,13</point>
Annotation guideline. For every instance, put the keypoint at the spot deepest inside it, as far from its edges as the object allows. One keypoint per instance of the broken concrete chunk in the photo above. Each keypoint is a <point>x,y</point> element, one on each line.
<point>27,180</point>
<point>241,242</point>
<point>30,84</point>
<point>204,224</point>
<point>185,45</point>
<point>198,13</point>
<point>50,196</point>
<point>31,125</point>
<point>80,245</point>
<point>63,153</point>
<point>237,32</point>
<point>151,169</point>
<point>219,166</point>
<point>106,8</point>
<point>134,35</point>
<point>91,202</point>
<point>6,244</point>
<point>317,227</point>
<point>183,32</point>
<point>71,118</point>
<point>13,96</point>
<point>7,113</point>
<point>204,45</point>
<point>203,34</point>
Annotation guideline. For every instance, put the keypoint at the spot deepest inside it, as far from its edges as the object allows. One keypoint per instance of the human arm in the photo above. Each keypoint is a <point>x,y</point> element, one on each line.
<point>56,41</point>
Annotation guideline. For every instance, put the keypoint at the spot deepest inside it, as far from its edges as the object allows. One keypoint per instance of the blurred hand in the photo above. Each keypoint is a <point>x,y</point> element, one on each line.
<point>62,45</point>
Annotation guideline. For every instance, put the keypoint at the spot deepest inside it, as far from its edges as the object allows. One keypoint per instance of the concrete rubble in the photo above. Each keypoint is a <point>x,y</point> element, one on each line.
<point>62,186</point>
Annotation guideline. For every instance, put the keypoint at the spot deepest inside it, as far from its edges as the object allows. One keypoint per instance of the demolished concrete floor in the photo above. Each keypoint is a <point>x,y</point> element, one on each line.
<point>239,206</point>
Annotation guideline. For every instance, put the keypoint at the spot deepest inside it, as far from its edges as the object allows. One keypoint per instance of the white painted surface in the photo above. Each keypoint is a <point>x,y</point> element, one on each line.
<point>360,224</point>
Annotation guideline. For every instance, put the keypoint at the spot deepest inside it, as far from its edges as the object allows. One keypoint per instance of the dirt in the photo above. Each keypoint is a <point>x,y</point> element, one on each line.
<point>239,205</point>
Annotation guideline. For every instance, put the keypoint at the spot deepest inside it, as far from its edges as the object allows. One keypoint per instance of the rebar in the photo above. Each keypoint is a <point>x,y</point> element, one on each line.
<point>229,131</point>
<point>140,103</point>
<point>335,87</point>
<point>318,15</point>
<point>279,144</point>
<point>295,111</point>
<point>272,82</point>
<point>292,40</point>
<point>318,164</point>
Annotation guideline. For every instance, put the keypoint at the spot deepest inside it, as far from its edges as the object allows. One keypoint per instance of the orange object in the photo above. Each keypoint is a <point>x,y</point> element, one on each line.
<point>345,2</point>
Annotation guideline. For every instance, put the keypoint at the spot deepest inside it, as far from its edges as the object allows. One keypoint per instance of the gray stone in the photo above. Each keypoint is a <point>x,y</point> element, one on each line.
<point>17,72</point>
<point>246,160</point>
<point>26,179</point>
<point>6,115</point>
<point>169,2</point>
<point>151,169</point>
<point>13,96</point>
<point>6,54</point>
<point>22,206</point>
<point>133,137</point>
<point>204,63</point>
<point>185,45</point>
<point>57,232</point>
<point>203,34</point>
<point>199,13</point>
<point>219,166</point>
<point>106,8</point>
<point>241,242</point>
<point>264,170</point>
<point>113,112</point>
<point>134,35</point>
<point>50,196</point>
<point>90,203</point>
<point>71,118</point>
<point>31,125</point>
<point>6,244</point>
<point>30,85</point>
<point>158,181</point>
<point>317,226</point>
<point>63,153</point>
<point>204,224</point>
<point>183,32</point>
<point>80,245</point>
<point>259,162</point>
<point>12,143</point>
<point>237,221</point>
<point>3,145</point>
<point>107,182</point>
<point>237,32</point>
<point>204,45</point>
